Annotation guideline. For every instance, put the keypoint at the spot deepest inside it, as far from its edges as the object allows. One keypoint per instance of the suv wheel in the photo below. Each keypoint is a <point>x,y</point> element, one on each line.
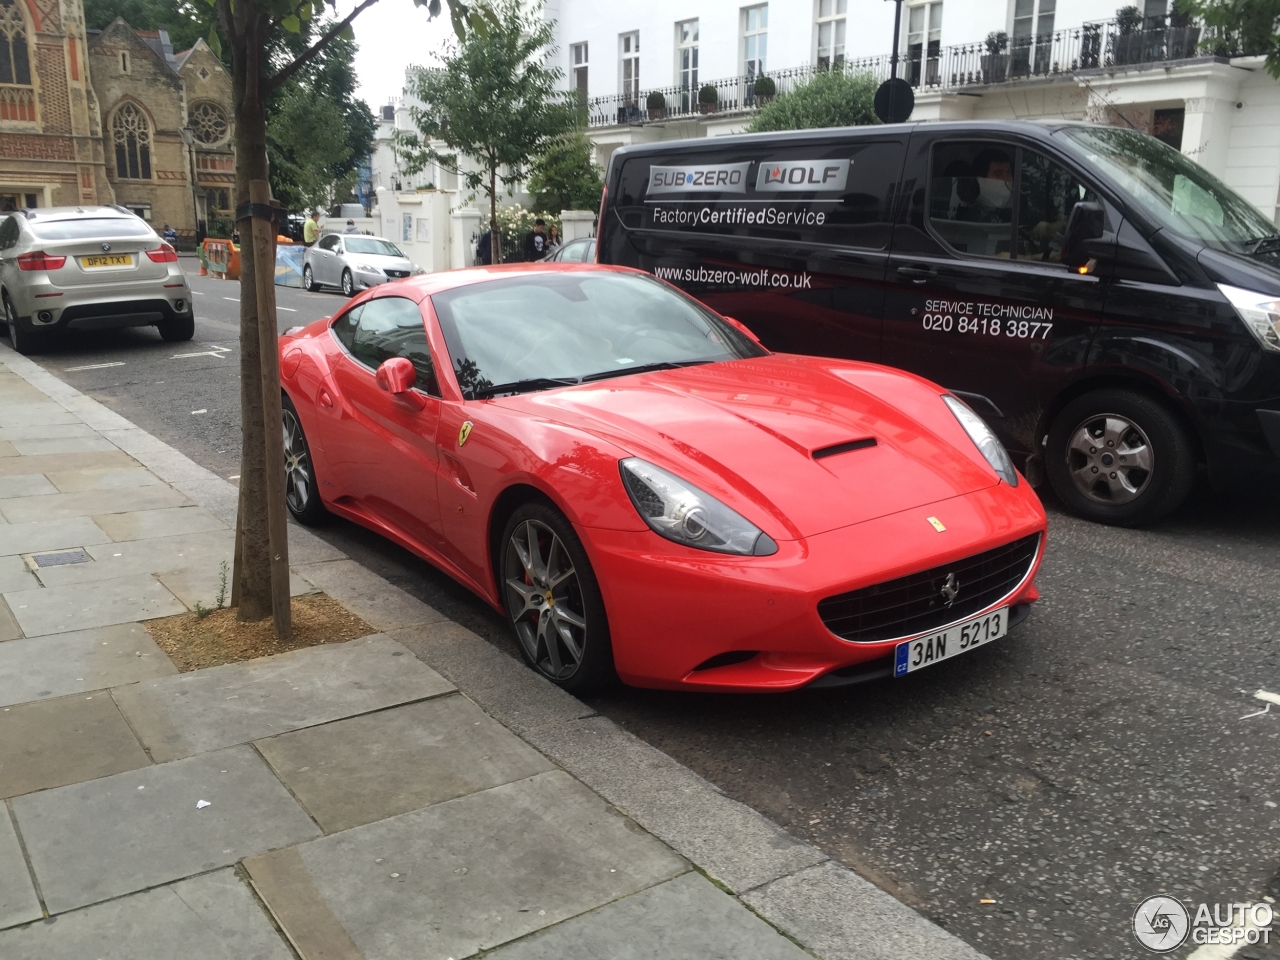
<point>308,279</point>
<point>1120,457</point>
<point>348,285</point>
<point>180,328</point>
<point>23,339</point>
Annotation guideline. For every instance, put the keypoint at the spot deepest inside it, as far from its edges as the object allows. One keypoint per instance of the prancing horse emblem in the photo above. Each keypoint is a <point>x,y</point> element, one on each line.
<point>464,432</point>
<point>950,589</point>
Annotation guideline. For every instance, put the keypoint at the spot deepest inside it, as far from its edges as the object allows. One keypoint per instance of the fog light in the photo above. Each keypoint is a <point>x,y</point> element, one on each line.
<point>45,316</point>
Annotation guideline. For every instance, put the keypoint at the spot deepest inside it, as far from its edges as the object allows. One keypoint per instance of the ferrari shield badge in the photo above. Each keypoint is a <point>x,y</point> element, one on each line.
<point>464,432</point>
<point>937,524</point>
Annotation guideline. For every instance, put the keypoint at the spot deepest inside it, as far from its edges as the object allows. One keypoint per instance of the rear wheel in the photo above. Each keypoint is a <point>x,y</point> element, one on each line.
<point>300,490</point>
<point>553,602</point>
<point>1120,457</point>
<point>180,328</point>
<point>308,279</point>
<point>348,285</point>
<point>22,338</point>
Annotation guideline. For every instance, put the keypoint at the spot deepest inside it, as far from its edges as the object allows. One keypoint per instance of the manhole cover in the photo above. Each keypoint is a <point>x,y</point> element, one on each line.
<point>61,558</point>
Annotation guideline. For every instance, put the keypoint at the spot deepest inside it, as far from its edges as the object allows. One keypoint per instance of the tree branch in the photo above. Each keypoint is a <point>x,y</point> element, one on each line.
<point>309,54</point>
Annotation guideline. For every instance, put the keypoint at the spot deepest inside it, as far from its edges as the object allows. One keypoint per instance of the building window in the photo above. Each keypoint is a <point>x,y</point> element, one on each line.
<point>579,54</point>
<point>132,137</point>
<point>15,59</point>
<point>924,43</point>
<point>687,62</point>
<point>629,65</point>
<point>140,210</point>
<point>208,123</point>
<point>1032,39</point>
<point>124,63</point>
<point>830,32</point>
<point>755,39</point>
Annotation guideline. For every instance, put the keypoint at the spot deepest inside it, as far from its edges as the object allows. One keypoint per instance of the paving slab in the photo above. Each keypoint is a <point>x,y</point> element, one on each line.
<point>6,449</point>
<point>196,551</point>
<point>210,917</point>
<point>170,522</point>
<point>49,535</point>
<point>90,444</point>
<point>81,661</point>
<point>840,916</point>
<point>194,712</point>
<point>18,900</point>
<point>16,575</point>
<point>44,429</point>
<point>462,876</point>
<point>25,485</point>
<point>219,497</point>
<point>368,768</point>
<point>37,408</point>
<point>9,629</point>
<point>87,503</point>
<point>98,603</point>
<point>51,743</point>
<point>374,600</point>
<point>47,463</point>
<point>202,585</point>
<point>101,478</point>
<point>683,919</point>
<point>157,833</point>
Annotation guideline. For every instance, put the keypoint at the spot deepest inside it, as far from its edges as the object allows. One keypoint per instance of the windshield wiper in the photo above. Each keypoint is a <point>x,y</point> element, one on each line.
<point>1263,242</point>
<point>642,368</point>
<point>520,386</point>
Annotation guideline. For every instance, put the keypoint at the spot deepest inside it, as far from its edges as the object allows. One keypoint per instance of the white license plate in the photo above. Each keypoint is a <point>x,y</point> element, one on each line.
<point>913,655</point>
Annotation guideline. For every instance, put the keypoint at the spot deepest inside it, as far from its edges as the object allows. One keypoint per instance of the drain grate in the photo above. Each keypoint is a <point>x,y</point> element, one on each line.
<point>61,558</point>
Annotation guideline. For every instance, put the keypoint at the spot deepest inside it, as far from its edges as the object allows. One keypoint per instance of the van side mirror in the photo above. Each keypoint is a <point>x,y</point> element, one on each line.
<point>1087,222</point>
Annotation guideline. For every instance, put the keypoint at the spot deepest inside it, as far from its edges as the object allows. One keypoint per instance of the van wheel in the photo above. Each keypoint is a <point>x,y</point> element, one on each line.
<point>1120,457</point>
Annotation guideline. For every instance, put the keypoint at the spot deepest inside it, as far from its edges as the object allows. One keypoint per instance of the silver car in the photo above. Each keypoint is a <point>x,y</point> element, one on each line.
<point>88,268</point>
<point>353,262</point>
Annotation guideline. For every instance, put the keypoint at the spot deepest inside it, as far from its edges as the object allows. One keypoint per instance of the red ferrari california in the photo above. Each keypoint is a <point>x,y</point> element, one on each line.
<point>648,493</point>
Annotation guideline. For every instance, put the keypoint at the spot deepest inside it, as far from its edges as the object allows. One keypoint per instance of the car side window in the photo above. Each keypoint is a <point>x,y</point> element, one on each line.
<point>344,328</point>
<point>971,197</point>
<point>392,327</point>
<point>8,233</point>
<point>572,253</point>
<point>1046,193</point>
<point>327,243</point>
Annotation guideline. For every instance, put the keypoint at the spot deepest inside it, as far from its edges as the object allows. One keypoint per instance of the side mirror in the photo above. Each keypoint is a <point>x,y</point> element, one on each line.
<point>743,328</point>
<point>396,375</point>
<point>1087,222</point>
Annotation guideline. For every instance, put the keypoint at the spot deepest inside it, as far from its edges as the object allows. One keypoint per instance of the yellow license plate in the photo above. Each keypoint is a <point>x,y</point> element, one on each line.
<point>110,260</point>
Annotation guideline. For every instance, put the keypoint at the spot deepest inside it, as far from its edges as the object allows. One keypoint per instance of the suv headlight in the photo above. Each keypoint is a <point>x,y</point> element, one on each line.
<point>683,513</point>
<point>1260,313</point>
<point>988,445</point>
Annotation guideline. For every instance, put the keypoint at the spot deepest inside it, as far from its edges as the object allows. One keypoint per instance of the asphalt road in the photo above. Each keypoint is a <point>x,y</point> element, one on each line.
<point>1097,756</point>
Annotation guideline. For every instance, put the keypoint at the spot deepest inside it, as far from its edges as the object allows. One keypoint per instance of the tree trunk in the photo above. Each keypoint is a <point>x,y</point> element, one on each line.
<point>495,241</point>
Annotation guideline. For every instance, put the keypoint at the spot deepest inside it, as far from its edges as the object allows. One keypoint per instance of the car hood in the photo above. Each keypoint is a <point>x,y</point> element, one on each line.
<point>747,431</point>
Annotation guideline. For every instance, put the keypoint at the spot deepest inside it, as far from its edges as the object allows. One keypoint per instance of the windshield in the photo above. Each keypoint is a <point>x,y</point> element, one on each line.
<point>1179,193</point>
<point>534,332</point>
<point>84,228</point>
<point>383,248</point>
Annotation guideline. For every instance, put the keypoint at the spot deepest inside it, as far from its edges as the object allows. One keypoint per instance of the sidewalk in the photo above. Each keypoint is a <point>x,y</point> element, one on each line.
<point>411,794</point>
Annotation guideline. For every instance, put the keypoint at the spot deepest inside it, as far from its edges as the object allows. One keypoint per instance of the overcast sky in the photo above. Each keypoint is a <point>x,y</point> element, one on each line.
<point>392,34</point>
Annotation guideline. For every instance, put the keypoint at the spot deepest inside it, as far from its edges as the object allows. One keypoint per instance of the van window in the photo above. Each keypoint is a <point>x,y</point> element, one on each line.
<point>1046,193</point>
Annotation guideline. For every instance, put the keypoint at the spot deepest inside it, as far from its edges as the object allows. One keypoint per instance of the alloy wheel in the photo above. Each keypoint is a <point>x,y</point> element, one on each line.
<point>1110,459</point>
<point>297,465</point>
<point>348,287</point>
<point>308,279</point>
<point>545,598</point>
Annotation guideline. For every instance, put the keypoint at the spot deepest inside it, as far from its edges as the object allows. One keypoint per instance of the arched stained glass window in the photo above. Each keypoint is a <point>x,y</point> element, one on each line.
<point>132,136</point>
<point>15,60</point>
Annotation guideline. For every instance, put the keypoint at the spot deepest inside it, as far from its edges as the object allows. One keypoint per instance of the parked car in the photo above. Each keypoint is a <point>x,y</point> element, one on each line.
<point>353,263</point>
<point>88,268</point>
<point>582,250</point>
<point>1107,305</point>
<point>642,488</point>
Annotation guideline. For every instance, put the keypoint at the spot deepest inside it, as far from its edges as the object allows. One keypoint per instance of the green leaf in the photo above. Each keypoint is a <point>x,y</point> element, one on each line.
<point>291,23</point>
<point>479,24</point>
<point>215,42</point>
<point>457,15</point>
<point>304,12</point>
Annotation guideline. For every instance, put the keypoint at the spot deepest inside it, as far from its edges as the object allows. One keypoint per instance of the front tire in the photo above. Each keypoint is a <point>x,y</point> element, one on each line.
<point>553,601</point>
<point>180,328</point>
<point>348,285</point>
<point>301,492</point>
<point>308,279</point>
<point>1120,457</point>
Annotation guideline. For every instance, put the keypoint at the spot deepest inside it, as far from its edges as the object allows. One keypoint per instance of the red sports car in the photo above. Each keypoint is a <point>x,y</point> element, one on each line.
<point>644,490</point>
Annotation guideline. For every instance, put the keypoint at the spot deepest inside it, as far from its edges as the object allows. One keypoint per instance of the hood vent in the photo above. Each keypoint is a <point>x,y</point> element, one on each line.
<point>836,448</point>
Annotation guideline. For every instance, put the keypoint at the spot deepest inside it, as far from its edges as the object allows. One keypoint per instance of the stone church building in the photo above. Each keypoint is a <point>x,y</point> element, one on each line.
<point>111,116</point>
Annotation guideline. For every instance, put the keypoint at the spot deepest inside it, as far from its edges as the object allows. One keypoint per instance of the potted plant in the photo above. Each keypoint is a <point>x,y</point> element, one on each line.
<point>995,62</point>
<point>1127,40</point>
<point>656,103</point>
<point>708,97</point>
<point>764,89</point>
<point>1184,32</point>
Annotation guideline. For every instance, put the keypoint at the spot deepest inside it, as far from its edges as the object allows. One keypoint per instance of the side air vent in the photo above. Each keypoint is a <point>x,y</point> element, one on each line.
<point>837,448</point>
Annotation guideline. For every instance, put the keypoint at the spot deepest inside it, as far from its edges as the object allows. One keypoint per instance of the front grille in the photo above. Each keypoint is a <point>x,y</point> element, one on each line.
<point>397,274</point>
<point>915,603</point>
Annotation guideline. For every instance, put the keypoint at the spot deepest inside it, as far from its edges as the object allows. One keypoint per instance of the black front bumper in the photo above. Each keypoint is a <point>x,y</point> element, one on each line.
<point>1241,440</point>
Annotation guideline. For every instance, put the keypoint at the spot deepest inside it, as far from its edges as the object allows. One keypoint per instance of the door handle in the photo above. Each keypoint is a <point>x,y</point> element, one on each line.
<point>326,401</point>
<point>917,274</point>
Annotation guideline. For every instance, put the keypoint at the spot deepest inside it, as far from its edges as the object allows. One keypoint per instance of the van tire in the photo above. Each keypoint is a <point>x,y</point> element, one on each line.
<point>1137,434</point>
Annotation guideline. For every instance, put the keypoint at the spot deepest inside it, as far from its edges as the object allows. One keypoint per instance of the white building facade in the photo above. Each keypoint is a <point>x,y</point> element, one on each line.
<point>642,69</point>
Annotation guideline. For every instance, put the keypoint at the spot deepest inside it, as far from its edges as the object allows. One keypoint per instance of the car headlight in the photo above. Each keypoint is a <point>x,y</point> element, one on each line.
<point>417,270</point>
<point>986,442</point>
<point>365,268</point>
<point>683,513</point>
<point>1260,313</point>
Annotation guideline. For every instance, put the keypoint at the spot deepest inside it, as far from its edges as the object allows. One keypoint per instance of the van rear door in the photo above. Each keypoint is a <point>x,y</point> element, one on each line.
<point>789,236</point>
<point>977,297</point>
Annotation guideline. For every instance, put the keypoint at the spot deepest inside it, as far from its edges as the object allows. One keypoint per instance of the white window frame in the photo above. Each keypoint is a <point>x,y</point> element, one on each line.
<point>831,15</point>
<point>629,66</point>
<point>753,60</point>
<point>579,66</point>
<point>927,32</point>
<point>1032,52</point>
<point>687,75</point>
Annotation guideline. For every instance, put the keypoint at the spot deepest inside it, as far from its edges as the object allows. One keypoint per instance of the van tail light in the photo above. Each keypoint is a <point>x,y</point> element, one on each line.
<point>163,254</point>
<point>39,260</point>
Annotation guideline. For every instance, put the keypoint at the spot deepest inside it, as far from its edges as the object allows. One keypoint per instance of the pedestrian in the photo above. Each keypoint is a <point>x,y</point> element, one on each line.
<point>170,235</point>
<point>351,227</point>
<point>311,229</point>
<point>535,241</point>
<point>553,239</point>
<point>484,248</point>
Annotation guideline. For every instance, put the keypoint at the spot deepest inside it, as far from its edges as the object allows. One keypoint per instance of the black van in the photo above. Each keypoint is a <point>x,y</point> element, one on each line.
<point>1110,308</point>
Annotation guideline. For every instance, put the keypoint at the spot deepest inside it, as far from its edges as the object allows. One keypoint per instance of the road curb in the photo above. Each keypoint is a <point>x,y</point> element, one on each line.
<point>824,906</point>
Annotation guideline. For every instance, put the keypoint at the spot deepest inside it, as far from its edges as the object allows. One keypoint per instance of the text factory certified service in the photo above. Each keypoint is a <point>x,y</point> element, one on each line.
<point>716,177</point>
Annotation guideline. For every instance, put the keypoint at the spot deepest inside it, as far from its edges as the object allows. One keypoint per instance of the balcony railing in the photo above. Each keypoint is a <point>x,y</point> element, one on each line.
<point>17,103</point>
<point>1091,46</point>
